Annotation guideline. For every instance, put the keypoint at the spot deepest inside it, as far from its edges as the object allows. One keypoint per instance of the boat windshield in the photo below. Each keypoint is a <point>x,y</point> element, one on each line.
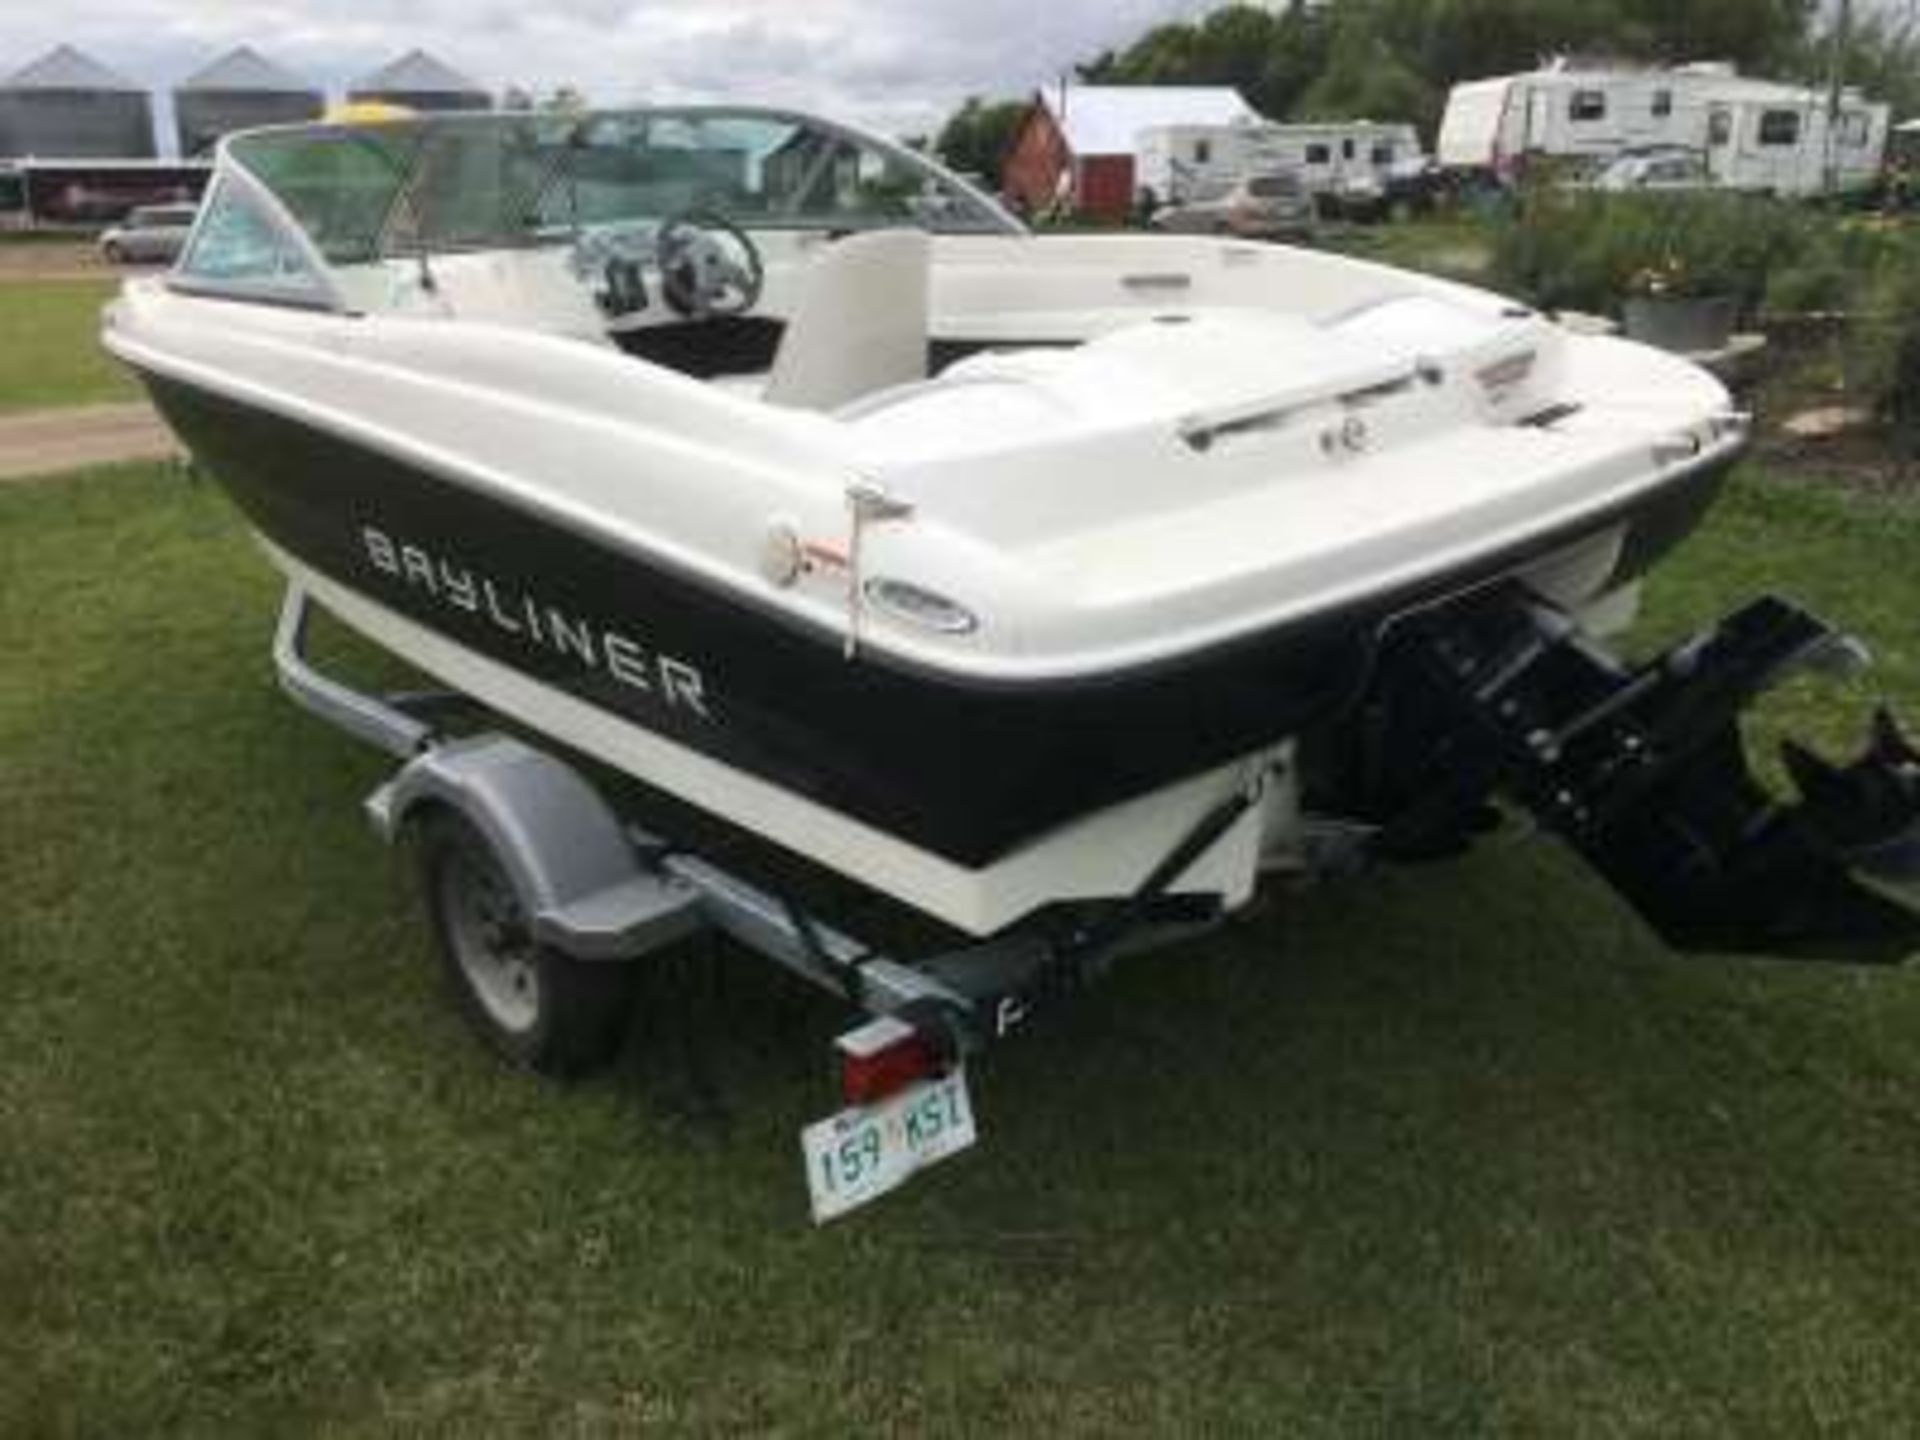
<point>366,191</point>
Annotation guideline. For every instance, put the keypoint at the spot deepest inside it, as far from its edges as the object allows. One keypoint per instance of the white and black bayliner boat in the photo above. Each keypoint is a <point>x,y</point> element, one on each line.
<point>1056,586</point>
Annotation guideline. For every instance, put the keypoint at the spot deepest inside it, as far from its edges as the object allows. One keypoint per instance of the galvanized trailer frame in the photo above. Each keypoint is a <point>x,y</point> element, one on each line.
<point>600,889</point>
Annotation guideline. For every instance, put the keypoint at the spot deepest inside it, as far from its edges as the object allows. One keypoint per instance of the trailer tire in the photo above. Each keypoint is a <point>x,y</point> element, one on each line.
<point>535,1006</point>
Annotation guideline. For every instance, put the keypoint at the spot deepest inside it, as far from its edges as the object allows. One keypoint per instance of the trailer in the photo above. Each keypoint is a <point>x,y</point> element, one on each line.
<point>1787,141</point>
<point>544,900</point>
<point>1758,135</point>
<point>1341,159</point>
<point>1568,113</point>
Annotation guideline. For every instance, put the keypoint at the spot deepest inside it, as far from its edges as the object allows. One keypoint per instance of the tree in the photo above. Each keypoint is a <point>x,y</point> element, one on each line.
<point>977,136</point>
<point>1397,59</point>
<point>1881,57</point>
<point>1269,55</point>
<point>1165,55</point>
<point>1757,35</point>
<point>1296,54</point>
<point>1365,78</point>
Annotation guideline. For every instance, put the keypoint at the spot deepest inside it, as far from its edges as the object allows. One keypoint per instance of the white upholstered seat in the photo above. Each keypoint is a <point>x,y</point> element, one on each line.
<point>860,323</point>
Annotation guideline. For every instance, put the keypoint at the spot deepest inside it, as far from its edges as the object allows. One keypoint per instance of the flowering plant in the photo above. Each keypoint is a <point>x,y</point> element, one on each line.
<point>1665,278</point>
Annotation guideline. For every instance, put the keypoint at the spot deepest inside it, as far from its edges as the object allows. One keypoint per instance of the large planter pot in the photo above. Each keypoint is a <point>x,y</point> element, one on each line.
<point>1691,325</point>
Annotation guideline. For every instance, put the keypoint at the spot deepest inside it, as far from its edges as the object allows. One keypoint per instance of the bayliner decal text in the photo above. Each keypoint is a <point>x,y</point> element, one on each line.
<point>538,624</point>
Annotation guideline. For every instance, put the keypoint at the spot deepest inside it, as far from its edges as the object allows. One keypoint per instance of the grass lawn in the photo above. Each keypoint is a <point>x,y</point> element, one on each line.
<point>48,351</point>
<point>1456,245</point>
<point>1454,1150</point>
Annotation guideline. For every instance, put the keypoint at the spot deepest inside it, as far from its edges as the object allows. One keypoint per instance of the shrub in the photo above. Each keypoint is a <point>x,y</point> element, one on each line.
<point>1883,345</point>
<point>1591,250</point>
<point>1864,273</point>
<point>1833,265</point>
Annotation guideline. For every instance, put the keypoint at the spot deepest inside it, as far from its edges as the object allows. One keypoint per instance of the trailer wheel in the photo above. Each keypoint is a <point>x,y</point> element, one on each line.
<point>534,1005</point>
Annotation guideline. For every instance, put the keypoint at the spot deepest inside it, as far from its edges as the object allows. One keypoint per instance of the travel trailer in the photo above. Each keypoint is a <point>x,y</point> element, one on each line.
<point>1756,134</point>
<point>1331,158</point>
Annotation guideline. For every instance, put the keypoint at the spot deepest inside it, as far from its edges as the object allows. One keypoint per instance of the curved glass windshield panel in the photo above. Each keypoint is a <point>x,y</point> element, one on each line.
<point>493,181</point>
<point>759,170</point>
<point>341,185</point>
<point>238,247</point>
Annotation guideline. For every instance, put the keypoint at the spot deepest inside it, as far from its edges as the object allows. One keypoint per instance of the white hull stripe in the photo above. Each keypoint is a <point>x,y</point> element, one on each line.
<point>1105,854</point>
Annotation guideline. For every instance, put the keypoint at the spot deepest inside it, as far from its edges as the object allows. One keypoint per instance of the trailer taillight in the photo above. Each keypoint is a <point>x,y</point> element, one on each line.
<point>884,1057</point>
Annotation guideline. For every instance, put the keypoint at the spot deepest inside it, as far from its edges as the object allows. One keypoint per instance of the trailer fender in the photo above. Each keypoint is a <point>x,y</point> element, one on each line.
<point>574,869</point>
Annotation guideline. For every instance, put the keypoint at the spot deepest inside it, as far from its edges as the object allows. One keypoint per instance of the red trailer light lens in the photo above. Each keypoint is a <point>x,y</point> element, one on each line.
<point>884,1058</point>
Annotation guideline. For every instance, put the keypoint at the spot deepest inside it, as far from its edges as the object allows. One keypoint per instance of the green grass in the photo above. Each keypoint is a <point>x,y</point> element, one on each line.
<point>1454,245</point>
<point>49,348</point>
<point>1446,1151</point>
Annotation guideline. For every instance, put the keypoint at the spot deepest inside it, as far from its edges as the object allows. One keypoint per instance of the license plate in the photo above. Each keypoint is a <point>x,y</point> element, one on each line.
<point>862,1153</point>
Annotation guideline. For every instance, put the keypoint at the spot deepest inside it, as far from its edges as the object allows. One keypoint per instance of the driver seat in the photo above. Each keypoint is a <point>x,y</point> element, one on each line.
<point>860,323</point>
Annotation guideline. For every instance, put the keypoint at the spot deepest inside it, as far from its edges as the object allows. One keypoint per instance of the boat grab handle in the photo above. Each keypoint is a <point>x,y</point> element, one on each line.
<point>1200,432</point>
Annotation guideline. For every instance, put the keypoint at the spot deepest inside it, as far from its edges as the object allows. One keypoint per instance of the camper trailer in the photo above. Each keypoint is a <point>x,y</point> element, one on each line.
<point>1790,141</point>
<point>1353,160</point>
<point>1756,134</point>
<point>1176,162</point>
<point>1568,113</point>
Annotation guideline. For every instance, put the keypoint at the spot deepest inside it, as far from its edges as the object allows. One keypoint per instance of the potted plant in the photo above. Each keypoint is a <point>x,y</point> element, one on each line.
<point>1677,306</point>
<point>1678,269</point>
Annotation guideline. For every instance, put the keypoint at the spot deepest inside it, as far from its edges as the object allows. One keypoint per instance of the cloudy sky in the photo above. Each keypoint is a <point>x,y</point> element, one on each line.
<point>899,64</point>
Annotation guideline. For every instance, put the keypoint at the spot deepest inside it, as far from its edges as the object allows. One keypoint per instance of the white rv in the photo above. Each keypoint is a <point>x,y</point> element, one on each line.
<point>1756,134</point>
<point>1177,161</point>
<point>1788,141</point>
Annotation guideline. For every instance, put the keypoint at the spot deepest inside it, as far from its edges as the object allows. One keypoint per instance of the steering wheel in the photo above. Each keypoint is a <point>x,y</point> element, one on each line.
<point>708,265</point>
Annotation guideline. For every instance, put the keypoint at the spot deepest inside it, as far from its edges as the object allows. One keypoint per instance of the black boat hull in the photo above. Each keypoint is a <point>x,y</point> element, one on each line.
<point>964,769</point>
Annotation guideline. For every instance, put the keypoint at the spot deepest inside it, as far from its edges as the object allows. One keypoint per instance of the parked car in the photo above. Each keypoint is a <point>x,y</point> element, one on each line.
<point>1258,207</point>
<point>1674,167</point>
<point>150,235</point>
<point>1401,192</point>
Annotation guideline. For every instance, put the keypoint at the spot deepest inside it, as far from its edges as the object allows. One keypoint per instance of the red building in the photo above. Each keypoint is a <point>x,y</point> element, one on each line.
<point>1077,144</point>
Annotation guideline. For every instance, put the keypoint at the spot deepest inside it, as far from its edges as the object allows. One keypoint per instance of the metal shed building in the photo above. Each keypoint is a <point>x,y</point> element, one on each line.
<point>238,91</point>
<point>420,82</point>
<point>69,106</point>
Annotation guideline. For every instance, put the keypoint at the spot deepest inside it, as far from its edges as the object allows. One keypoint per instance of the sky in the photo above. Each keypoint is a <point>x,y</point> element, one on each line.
<point>899,65</point>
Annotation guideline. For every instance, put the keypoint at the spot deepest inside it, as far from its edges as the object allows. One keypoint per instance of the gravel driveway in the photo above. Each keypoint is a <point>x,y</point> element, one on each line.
<point>41,442</point>
<point>53,260</point>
